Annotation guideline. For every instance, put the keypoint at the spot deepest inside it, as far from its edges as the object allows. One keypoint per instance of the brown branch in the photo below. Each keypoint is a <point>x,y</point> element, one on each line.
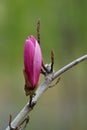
<point>41,89</point>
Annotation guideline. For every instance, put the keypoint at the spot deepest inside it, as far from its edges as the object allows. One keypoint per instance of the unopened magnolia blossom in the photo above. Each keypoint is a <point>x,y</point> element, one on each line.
<point>32,63</point>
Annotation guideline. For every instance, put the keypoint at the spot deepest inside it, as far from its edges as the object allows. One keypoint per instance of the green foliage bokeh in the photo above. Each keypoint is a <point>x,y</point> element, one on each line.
<point>63,29</point>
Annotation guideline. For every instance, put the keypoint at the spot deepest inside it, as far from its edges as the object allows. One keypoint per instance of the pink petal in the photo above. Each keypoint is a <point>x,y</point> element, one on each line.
<point>37,64</point>
<point>32,60</point>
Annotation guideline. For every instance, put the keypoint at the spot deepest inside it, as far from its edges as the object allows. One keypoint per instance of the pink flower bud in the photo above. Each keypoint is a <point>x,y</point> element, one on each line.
<point>32,62</point>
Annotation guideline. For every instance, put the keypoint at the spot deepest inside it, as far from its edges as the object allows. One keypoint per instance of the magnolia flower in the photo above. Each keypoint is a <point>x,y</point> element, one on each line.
<point>32,63</point>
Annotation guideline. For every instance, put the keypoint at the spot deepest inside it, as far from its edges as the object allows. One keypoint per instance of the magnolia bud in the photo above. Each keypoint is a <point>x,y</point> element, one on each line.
<point>32,63</point>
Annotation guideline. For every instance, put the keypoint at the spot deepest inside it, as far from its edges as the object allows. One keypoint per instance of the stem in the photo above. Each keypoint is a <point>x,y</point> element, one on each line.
<point>41,89</point>
<point>70,65</point>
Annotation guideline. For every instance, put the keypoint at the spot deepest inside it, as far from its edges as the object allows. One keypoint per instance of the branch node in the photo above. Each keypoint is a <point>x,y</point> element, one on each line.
<point>52,85</point>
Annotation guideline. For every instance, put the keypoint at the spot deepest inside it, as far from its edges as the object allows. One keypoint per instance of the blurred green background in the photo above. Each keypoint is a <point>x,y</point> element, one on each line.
<point>63,29</point>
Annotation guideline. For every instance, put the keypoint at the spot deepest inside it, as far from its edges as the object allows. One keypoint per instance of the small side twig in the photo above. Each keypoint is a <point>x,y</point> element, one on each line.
<point>41,89</point>
<point>38,31</point>
<point>52,60</point>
